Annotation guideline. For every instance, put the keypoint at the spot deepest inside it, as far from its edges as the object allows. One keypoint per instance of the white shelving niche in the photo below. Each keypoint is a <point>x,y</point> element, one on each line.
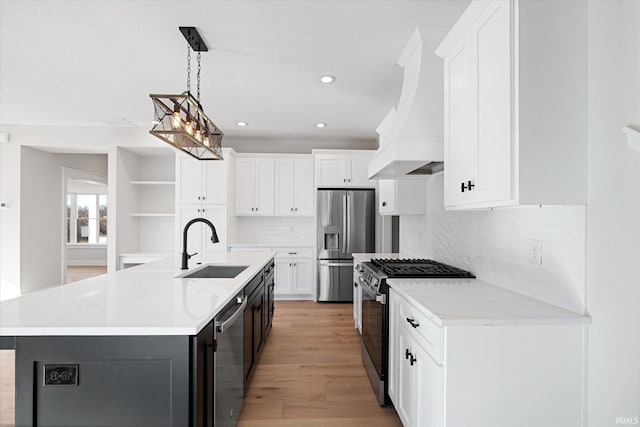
<point>145,201</point>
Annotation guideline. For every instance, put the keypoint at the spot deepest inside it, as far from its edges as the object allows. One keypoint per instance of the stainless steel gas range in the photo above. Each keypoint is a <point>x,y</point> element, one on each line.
<point>375,310</point>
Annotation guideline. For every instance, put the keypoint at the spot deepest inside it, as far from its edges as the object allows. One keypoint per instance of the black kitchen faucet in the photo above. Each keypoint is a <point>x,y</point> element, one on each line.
<point>185,255</point>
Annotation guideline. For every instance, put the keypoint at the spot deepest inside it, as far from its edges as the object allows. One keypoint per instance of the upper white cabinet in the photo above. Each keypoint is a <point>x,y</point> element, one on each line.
<point>515,105</point>
<point>347,169</point>
<point>255,187</point>
<point>402,197</point>
<point>294,187</point>
<point>201,181</point>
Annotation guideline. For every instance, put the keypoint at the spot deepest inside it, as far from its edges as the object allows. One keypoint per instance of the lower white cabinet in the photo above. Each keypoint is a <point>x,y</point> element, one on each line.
<point>357,299</point>
<point>484,375</point>
<point>294,272</point>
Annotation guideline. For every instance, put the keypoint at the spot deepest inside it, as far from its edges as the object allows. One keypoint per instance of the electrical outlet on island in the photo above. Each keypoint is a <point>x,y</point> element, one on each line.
<point>535,251</point>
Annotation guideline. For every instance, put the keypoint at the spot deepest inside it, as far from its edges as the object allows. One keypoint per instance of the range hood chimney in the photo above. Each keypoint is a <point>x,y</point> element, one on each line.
<point>410,136</point>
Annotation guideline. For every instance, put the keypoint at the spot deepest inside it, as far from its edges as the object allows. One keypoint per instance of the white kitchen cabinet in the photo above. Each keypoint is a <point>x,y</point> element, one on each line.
<point>343,170</point>
<point>402,197</point>
<point>255,186</point>
<point>294,272</point>
<point>294,187</point>
<point>481,374</point>
<point>199,234</point>
<point>357,298</point>
<point>515,131</point>
<point>201,182</point>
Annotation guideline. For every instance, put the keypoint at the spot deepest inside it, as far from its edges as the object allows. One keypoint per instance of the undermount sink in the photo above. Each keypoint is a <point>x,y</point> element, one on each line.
<point>215,272</point>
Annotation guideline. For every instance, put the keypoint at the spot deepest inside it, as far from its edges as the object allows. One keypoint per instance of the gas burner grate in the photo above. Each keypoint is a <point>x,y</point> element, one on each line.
<point>419,268</point>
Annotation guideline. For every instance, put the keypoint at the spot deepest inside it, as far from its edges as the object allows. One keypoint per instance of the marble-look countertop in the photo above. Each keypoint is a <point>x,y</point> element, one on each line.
<point>145,300</point>
<point>473,302</point>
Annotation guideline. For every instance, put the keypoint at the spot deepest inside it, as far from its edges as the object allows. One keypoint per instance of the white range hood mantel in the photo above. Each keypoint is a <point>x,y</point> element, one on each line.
<point>411,134</point>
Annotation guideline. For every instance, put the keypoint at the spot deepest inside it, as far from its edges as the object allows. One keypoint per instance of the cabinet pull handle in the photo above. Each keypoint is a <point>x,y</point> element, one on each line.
<point>296,209</point>
<point>407,353</point>
<point>291,209</point>
<point>412,360</point>
<point>384,203</point>
<point>202,197</point>
<point>468,187</point>
<point>413,323</point>
<point>198,197</point>
<point>289,264</point>
<point>256,209</point>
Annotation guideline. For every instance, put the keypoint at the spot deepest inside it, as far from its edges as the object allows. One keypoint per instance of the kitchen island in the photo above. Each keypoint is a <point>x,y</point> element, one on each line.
<point>137,347</point>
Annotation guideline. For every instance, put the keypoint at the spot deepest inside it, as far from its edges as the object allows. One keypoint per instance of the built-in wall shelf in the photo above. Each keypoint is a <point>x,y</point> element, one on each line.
<point>633,138</point>
<point>143,214</point>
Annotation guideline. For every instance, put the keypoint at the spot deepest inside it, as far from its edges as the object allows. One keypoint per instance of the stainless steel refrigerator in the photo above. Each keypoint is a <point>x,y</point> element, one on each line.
<point>346,225</point>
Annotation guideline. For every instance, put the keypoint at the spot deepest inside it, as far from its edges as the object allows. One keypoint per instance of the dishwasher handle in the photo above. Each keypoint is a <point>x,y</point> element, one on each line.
<point>221,326</point>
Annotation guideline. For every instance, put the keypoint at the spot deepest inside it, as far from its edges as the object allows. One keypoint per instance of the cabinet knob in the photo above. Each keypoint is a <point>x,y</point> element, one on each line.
<point>344,179</point>
<point>252,209</point>
<point>384,203</point>
<point>349,180</point>
<point>198,197</point>
<point>291,209</point>
<point>203,197</point>
<point>256,209</point>
<point>296,209</point>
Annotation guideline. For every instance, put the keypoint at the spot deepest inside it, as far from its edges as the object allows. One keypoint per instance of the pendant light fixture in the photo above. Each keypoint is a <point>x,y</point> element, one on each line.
<point>179,120</point>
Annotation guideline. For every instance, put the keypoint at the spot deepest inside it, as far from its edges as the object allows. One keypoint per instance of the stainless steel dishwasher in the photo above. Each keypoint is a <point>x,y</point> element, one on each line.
<point>229,358</point>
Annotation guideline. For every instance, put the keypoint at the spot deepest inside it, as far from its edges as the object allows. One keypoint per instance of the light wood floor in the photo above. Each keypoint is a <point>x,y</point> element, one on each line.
<point>7,378</point>
<point>75,273</point>
<point>309,375</point>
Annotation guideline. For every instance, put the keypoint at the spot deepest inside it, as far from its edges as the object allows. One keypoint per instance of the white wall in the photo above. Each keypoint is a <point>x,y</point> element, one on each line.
<point>613,221</point>
<point>494,245</point>
<point>41,213</point>
<point>79,255</point>
<point>10,220</point>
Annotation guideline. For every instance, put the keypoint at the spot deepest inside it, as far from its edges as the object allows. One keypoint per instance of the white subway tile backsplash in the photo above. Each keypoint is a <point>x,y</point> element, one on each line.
<point>275,230</point>
<point>494,245</point>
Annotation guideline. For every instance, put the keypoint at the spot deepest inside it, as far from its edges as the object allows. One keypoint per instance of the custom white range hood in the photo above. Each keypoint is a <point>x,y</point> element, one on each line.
<point>411,143</point>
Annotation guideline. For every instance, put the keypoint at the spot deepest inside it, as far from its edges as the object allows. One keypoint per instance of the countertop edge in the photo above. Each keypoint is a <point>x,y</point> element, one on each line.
<point>571,319</point>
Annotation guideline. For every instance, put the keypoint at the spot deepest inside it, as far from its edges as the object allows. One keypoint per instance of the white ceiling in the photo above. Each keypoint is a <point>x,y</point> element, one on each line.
<point>94,63</point>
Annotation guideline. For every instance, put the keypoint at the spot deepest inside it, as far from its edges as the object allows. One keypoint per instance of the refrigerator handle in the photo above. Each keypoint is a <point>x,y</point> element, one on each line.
<point>344,223</point>
<point>349,219</point>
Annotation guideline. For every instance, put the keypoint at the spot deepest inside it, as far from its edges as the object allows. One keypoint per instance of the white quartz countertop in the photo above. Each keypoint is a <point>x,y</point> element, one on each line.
<point>143,300</point>
<point>472,302</point>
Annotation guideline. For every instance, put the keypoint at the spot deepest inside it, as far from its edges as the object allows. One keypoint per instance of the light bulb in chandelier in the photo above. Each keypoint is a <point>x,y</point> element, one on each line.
<point>189,125</point>
<point>205,140</point>
<point>175,118</point>
<point>197,133</point>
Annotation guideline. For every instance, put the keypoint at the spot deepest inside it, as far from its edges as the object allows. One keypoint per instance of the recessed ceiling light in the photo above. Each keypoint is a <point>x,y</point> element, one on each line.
<point>321,125</point>
<point>243,124</point>
<point>327,79</point>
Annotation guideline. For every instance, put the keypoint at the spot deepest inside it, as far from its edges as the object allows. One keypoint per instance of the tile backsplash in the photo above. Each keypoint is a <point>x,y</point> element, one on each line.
<point>495,245</point>
<point>275,230</point>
